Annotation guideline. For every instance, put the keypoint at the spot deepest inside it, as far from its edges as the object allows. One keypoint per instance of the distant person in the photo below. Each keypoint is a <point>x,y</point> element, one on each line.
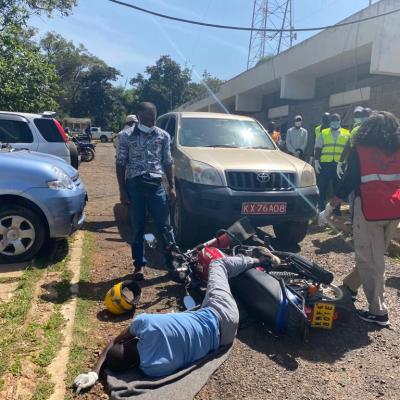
<point>297,138</point>
<point>373,173</point>
<point>325,121</point>
<point>274,133</point>
<point>130,121</point>
<point>143,159</point>
<point>88,133</point>
<point>328,149</point>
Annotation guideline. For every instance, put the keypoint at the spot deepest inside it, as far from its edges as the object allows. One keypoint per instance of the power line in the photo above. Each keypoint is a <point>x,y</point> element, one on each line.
<point>243,28</point>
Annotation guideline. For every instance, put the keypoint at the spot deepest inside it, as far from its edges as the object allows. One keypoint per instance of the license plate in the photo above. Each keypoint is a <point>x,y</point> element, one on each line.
<point>263,208</point>
<point>323,314</point>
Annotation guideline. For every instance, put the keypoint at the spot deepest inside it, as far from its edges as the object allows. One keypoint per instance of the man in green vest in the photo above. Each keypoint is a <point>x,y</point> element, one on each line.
<point>326,120</point>
<point>328,149</point>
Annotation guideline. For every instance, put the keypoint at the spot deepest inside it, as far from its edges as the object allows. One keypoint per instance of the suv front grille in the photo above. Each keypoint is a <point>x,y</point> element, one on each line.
<point>260,181</point>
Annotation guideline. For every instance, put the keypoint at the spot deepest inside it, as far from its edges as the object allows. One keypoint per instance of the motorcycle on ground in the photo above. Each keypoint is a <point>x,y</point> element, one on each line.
<point>87,151</point>
<point>290,297</point>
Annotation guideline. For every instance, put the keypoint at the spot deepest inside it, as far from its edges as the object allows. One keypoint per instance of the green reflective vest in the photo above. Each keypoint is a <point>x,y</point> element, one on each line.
<point>353,134</point>
<point>332,151</point>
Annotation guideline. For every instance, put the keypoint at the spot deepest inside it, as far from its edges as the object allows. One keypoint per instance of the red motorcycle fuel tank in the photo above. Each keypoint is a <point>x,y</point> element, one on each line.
<point>205,257</point>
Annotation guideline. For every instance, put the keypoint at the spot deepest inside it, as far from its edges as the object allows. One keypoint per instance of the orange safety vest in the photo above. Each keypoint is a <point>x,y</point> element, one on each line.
<point>380,184</point>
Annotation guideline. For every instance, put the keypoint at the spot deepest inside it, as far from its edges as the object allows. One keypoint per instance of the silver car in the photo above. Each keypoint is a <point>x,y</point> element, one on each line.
<point>36,132</point>
<point>40,197</point>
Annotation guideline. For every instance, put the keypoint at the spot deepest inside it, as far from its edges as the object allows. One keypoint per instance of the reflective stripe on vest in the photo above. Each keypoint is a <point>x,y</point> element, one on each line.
<point>380,177</point>
<point>380,184</point>
<point>332,151</point>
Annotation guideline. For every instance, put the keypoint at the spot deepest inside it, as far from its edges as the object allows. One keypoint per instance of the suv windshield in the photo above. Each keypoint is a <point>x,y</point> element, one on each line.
<point>220,132</point>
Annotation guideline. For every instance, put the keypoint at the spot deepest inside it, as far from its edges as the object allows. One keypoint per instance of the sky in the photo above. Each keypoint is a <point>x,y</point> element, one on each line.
<point>129,40</point>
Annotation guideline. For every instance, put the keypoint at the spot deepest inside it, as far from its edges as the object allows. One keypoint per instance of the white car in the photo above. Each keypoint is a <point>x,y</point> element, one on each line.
<point>35,132</point>
<point>103,136</point>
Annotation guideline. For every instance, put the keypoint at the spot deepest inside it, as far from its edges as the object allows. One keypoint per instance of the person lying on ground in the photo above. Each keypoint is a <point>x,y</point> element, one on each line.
<point>160,344</point>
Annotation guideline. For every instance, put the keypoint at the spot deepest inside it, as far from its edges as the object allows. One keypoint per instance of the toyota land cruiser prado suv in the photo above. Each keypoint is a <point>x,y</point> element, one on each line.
<point>227,167</point>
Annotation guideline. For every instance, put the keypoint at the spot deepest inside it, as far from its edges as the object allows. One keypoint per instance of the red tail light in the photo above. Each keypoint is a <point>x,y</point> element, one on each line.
<point>61,130</point>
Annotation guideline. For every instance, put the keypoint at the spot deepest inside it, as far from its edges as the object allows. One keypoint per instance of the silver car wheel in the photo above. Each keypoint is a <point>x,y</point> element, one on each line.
<point>17,235</point>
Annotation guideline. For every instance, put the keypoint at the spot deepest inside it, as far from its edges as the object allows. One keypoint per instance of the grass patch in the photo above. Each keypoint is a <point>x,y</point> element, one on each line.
<point>53,337</point>
<point>44,388</point>
<point>79,354</point>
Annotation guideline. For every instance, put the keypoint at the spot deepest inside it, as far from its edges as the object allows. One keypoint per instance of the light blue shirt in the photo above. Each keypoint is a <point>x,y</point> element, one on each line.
<point>168,342</point>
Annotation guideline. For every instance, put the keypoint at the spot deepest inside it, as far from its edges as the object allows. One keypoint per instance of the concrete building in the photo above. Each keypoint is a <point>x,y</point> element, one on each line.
<point>334,70</point>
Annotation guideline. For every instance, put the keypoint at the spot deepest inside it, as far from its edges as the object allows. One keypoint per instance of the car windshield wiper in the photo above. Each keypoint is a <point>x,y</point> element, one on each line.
<point>222,145</point>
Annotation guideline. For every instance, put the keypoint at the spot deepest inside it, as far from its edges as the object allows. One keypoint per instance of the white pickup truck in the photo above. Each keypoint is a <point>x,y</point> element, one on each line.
<point>103,136</point>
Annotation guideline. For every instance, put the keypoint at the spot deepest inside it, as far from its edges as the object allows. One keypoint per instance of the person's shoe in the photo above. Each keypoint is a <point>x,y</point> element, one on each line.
<point>138,274</point>
<point>381,320</point>
<point>353,293</point>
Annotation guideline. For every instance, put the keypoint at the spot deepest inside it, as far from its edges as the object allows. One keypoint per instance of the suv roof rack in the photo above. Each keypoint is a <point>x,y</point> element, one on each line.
<point>48,114</point>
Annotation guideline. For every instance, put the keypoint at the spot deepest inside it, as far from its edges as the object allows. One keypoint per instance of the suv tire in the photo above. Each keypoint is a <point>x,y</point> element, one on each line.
<point>24,228</point>
<point>103,139</point>
<point>73,153</point>
<point>185,228</point>
<point>291,232</point>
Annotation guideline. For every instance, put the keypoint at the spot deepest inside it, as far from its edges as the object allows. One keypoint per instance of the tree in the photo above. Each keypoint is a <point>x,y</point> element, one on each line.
<point>16,12</point>
<point>204,88</point>
<point>167,84</point>
<point>27,81</point>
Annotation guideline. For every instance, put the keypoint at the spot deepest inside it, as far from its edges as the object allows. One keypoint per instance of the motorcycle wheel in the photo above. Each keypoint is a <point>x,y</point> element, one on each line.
<point>88,155</point>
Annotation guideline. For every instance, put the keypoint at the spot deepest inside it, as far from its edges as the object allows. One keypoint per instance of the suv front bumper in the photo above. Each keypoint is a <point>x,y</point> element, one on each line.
<point>222,206</point>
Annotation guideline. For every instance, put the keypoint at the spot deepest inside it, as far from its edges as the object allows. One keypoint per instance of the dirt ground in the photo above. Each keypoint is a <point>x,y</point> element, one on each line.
<point>354,360</point>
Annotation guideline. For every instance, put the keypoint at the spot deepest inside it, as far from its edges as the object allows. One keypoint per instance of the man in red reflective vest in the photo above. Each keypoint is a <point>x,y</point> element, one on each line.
<point>374,174</point>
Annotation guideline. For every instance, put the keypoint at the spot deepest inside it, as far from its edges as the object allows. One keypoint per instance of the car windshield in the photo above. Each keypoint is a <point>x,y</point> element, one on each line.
<point>220,132</point>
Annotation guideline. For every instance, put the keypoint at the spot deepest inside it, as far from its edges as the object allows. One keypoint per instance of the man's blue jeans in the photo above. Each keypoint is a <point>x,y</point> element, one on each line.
<point>156,202</point>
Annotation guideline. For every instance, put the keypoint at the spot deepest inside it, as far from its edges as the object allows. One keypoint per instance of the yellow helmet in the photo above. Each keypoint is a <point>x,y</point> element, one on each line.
<point>122,297</point>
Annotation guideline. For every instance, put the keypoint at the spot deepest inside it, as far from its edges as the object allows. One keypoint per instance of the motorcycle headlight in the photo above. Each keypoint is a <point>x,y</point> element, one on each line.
<point>205,174</point>
<point>308,176</point>
<point>62,181</point>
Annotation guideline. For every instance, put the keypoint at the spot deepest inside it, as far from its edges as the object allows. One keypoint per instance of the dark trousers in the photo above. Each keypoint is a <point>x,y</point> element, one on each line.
<point>328,174</point>
<point>156,202</point>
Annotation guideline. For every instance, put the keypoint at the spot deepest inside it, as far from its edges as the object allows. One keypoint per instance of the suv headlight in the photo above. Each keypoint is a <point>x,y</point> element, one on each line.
<point>62,181</point>
<point>205,174</point>
<point>308,176</point>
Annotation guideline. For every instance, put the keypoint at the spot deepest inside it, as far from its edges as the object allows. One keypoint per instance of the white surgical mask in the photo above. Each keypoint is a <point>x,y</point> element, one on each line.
<point>297,124</point>
<point>145,128</point>
<point>357,121</point>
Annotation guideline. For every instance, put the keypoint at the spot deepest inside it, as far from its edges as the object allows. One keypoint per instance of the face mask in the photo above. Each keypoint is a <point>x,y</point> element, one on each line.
<point>335,125</point>
<point>145,128</point>
<point>357,121</point>
<point>297,124</point>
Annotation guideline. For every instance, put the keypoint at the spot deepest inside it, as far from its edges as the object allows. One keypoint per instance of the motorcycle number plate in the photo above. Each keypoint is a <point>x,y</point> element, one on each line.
<point>263,208</point>
<point>323,315</point>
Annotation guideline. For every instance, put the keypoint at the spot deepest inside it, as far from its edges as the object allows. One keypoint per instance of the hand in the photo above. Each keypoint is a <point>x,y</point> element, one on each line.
<point>339,170</point>
<point>265,257</point>
<point>317,166</point>
<point>311,161</point>
<point>323,218</point>
<point>123,198</point>
<point>85,381</point>
<point>172,194</point>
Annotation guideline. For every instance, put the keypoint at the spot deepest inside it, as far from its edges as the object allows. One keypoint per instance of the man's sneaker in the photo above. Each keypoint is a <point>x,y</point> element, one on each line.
<point>353,294</point>
<point>381,320</point>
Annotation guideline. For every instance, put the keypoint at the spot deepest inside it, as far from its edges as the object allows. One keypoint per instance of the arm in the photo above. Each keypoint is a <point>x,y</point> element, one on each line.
<point>120,166</point>
<point>352,178</point>
<point>346,152</point>
<point>303,147</point>
<point>318,148</point>
<point>289,145</point>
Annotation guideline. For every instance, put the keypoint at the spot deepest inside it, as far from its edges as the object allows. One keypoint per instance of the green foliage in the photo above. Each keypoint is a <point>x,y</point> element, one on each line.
<point>27,81</point>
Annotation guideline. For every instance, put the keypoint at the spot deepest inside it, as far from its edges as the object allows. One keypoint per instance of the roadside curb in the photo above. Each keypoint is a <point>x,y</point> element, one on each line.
<point>58,367</point>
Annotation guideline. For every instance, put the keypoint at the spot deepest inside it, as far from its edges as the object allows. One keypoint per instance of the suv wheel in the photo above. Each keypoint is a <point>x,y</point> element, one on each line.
<point>185,229</point>
<point>291,232</point>
<point>103,139</point>
<point>22,234</point>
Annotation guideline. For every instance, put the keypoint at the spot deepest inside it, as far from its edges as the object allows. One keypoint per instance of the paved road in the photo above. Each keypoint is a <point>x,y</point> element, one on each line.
<point>353,361</point>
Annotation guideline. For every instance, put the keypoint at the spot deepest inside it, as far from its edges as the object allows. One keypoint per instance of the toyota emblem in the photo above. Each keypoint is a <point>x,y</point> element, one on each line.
<point>263,177</point>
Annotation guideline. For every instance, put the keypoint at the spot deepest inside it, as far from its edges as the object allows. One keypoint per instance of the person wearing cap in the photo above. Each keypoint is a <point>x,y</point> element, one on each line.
<point>325,121</point>
<point>360,115</point>
<point>373,174</point>
<point>130,121</point>
<point>297,138</point>
<point>328,149</point>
